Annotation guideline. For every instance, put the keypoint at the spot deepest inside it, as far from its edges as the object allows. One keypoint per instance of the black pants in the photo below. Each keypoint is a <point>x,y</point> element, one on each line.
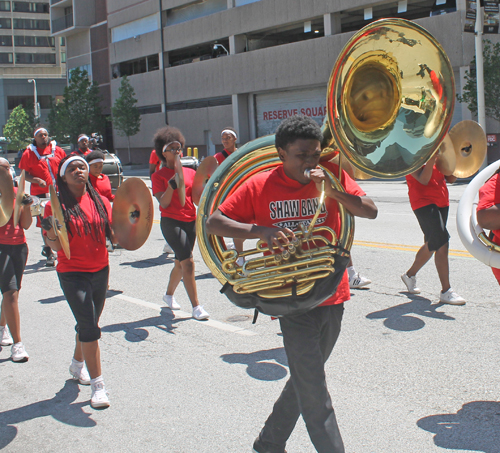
<point>181,236</point>
<point>12,263</point>
<point>309,340</point>
<point>86,293</point>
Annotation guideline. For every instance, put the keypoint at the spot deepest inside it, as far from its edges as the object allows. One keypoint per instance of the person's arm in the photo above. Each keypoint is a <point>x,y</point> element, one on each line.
<point>451,179</point>
<point>52,238</point>
<point>221,225</point>
<point>489,218</point>
<point>359,206</point>
<point>152,169</point>
<point>25,220</point>
<point>34,179</point>
<point>424,174</point>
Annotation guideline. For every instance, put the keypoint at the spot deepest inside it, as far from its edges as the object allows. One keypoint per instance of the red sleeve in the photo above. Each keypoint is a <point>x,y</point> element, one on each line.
<point>106,188</point>
<point>219,157</point>
<point>239,206</point>
<point>153,158</point>
<point>489,194</point>
<point>24,163</point>
<point>158,183</point>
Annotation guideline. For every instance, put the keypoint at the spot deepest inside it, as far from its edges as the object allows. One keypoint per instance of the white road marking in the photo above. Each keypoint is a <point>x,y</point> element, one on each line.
<point>182,314</point>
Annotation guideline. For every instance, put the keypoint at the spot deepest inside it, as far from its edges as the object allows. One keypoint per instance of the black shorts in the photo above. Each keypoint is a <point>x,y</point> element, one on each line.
<point>12,263</point>
<point>181,236</point>
<point>86,294</point>
<point>432,220</point>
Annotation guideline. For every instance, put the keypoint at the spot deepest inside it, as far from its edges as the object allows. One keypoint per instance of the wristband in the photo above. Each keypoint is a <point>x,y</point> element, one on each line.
<point>172,183</point>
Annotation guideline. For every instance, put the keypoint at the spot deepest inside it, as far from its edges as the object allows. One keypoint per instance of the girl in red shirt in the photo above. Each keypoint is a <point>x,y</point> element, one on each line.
<point>13,257</point>
<point>84,277</point>
<point>177,222</point>
<point>100,182</point>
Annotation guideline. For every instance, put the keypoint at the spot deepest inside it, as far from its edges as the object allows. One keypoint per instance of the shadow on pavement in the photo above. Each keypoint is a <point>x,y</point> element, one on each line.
<point>136,331</point>
<point>398,317</point>
<point>37,267</point>
<point>52,300</point>
<point>259,365</point>
<point>149,262</point>
<point>204,276</point>
<point>475,427</point>
<point>59,407</point>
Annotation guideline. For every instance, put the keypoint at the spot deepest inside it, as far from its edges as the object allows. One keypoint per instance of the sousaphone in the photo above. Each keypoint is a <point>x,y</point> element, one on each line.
<point>390,101</point>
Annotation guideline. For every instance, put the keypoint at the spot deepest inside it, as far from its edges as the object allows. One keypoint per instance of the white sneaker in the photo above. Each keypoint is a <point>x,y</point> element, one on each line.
<point>451,297</point>
<point>411,283</point>
<point>171,302</point>
<point>167,249</point>
<point>18,353</point>
<point>5,336</point>
<point>200,313</point>
<point>356,281</point>
<point>99,398</point>
<point>79,373</point>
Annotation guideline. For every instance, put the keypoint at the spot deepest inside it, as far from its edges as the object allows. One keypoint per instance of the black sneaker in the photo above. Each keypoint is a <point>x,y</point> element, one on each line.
<point>46,251</point>
<point>51,261</point>
<point>258,447</point>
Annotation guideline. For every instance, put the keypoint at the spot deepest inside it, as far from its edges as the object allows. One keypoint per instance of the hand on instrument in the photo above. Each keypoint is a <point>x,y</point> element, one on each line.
<point>317,175</point>
<point>27,200</point>
<point>275,237</point>
<point>46,224</point>
<point>172,182</point>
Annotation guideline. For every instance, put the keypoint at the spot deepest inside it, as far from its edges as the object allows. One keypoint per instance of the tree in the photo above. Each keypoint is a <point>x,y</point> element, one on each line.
<point>126,116</point>
<point>491,57</point>
<point>79,111</point>
<point>18,129</point>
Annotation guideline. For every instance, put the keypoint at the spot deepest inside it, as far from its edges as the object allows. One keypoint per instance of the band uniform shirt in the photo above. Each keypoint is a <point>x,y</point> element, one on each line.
<point>87,254</point>
<point>222,156</point>
<point>155,160</point>
<point>489,195</point>
<point>159,181</point>
<point>79,152</point>
<point>10,235</point>
<point>38,167</point>
<point>272,199</point>
<point>436,192</point>
<point>102,185</point>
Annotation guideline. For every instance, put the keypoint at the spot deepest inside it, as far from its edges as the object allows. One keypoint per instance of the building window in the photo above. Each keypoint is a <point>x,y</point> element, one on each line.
<point>35,58</point>
<point>5,58</point>
<point>197,53</point>
<point>4,6</point>
<point>34,41</point>
<point>138,66</point>
<point>31,24</point>
<point>194,11</point>
<point>85,67</point>
<point>62,41</point>
<point>148,109</point>
<point>63,57</point>
<point>27,101</point>
<point>30,7</point>
<point>135,28</point>
<point>5,40</point>
<point>5,23</point>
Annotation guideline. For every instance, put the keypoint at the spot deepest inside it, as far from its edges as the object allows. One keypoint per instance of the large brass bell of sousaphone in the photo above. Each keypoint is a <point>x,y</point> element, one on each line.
<point>390,98</point>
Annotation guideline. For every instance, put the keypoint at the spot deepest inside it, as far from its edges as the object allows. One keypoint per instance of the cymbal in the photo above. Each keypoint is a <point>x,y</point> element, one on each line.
<point>470,145</point>
<point>6,196</point>
<point>205,170</point>
<point>57,214</point>
<point>446,161</point>
<point>133,213</point>
<point>179,179</point>
<point>19,197</point>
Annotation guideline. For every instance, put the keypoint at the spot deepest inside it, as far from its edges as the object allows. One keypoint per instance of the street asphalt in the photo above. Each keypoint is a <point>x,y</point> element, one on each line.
<point>408,374</point>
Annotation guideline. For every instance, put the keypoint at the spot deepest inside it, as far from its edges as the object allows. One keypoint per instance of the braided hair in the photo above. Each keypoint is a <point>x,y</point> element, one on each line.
<point>73,210</point>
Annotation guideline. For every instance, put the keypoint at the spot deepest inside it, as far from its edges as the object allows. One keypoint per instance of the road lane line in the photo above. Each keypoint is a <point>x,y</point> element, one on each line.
<point>178,314</point>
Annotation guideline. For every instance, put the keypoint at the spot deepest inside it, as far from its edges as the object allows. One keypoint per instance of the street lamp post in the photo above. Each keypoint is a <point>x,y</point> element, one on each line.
<point>36,105</point>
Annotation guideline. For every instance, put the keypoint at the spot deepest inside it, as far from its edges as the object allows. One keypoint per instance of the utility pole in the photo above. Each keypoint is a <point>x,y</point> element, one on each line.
<point>36,104</point>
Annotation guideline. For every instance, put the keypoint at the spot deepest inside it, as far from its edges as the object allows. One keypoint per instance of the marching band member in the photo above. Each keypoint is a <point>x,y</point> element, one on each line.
<point>430,202</point>
<point>488,211</point>
<point>228,139</point>
<point>13,257</point>
<point>250,213</point>
<point>99,181</point>
<point>178,222</point>
<point>84,277</point>
<point>83,146</point>
<point>40,161</point>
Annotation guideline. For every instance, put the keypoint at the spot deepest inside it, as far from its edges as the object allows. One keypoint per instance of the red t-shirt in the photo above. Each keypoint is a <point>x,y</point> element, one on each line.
<point>102,185</point>
<point>155,160</point>
<point>221,157</point>
<point>159,181</point>
<point>489,195</point>
<point>39,169</point>
<point>273,199</point>
<point>436,192</point>
<point>10,235</point>
<point>87,254</point>
<point>79,152</point>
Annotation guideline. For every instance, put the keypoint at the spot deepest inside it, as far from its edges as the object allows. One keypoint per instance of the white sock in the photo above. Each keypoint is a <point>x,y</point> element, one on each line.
<point>97,380</point>
<point>77,363</point>
<point>351,272</point>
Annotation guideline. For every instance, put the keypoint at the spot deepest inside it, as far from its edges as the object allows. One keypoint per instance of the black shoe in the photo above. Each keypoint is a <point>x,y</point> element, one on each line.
<point>258,447</point>
<point>51,261</point>
<point>46,251</point>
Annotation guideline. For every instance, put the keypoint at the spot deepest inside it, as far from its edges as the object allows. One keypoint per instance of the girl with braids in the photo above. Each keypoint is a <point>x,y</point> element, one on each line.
<point>83,278</point>
<point>177,221</point>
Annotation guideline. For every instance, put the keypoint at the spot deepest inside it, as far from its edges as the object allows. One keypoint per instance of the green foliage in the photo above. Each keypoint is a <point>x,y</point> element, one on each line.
<point>18,129</point>
<point>126,116</point>
<point>79,112</point>
<point>491,57</point>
